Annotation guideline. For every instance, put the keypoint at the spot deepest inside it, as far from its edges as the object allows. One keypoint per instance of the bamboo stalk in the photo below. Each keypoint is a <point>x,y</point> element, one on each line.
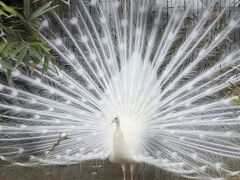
<point>27,9</point>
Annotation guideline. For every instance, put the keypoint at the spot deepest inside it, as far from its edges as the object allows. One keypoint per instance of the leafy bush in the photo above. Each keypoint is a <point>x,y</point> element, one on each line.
<point>20,42</point>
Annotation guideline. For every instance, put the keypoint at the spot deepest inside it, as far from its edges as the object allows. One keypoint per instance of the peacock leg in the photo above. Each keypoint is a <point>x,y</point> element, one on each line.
<point>132,167</point>
<point>123,166</point>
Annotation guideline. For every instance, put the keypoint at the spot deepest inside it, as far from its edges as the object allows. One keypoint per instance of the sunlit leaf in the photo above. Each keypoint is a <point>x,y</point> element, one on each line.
<point>36,52</point>
<point>42,10</point>
<point>2,46</point>
<point>3,13</point>
<point>11,10</point>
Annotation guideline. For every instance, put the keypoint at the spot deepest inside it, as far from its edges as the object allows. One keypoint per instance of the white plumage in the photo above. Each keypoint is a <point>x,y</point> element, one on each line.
<point>121,153</point>
<point>165,87</point>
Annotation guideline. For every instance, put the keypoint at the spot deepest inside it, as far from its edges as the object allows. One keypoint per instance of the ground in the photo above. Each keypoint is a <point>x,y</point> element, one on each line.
<point>95,170</point>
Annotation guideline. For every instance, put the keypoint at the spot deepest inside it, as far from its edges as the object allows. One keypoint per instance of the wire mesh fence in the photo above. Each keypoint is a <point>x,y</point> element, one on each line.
<point>232,8</point>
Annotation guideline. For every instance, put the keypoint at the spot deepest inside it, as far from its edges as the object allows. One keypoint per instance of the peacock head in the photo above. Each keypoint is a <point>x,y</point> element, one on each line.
<point>116,120</point>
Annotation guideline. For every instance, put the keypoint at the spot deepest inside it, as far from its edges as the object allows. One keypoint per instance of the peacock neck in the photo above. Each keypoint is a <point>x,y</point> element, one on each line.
<point>118,124</point>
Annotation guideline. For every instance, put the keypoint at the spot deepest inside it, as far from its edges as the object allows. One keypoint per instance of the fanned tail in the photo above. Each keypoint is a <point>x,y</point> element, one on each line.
<point>167,88</point>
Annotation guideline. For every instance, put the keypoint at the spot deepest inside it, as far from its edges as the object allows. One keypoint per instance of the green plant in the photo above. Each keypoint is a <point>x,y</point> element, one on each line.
<point>20,42</point>
<point>2,119</point>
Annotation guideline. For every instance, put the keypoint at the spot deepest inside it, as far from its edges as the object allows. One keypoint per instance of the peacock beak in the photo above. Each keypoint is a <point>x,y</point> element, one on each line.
<point>114,120</point>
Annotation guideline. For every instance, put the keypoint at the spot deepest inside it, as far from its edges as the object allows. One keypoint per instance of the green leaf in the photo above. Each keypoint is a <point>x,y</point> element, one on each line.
<point>36,53</point>
<point>41,10</point>
<point>21,56</point>
<point>2,119</point>
<point>44,47</point>
<point>27,10</point>
<point>9,73</point>
<point>45,64</point>
<point>2,46</point>
<point>26,60</point>
<point>3,13</point>
<point>11,10</point>
<point>6,63</point>
<point>236,101</point>
<point>14,52</point>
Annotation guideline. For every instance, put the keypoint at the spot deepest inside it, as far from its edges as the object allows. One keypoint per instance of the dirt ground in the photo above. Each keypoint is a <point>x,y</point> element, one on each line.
<point>94,170</point>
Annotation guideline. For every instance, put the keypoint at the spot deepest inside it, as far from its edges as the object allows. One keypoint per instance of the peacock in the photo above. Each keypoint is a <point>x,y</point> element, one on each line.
<point>131,85</point>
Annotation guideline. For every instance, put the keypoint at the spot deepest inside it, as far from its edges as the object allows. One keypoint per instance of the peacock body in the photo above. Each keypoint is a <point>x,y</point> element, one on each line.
<point>170,99</point>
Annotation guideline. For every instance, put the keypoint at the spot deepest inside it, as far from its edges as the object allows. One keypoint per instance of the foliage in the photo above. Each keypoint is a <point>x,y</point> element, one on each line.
<point>20,42</point>
<point>1,118</point>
